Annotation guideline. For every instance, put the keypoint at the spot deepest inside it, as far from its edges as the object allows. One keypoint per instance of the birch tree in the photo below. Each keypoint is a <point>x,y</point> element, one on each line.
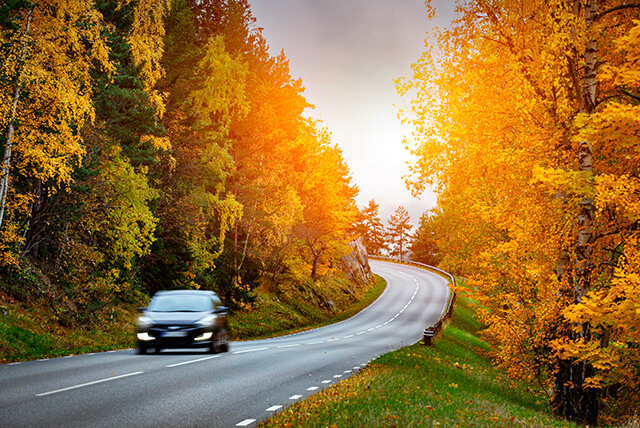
<point>45,97</point>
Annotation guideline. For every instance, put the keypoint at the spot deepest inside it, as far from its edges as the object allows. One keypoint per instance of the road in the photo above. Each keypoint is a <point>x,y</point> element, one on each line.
<point>239,388</point>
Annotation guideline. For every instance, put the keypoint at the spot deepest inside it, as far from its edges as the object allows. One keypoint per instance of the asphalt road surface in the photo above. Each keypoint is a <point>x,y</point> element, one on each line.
<point>182,388</point>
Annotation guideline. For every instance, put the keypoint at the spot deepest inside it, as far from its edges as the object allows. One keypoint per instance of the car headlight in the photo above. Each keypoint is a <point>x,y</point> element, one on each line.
<point>207,322</point>
<point>144,323</point>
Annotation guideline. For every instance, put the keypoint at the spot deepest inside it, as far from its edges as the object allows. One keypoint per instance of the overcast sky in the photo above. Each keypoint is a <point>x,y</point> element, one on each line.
<point>348,52</point>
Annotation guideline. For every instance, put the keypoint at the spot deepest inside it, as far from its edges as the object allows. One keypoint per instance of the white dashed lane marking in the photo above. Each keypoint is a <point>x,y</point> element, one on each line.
<point>249,350</point>
<point>245,423</point>
<point>273,408</point>
<point>193,361</point>
<point>88,384</point>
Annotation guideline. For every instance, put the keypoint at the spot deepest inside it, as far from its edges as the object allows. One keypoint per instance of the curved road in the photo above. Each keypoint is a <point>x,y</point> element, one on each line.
<point>239,388</point>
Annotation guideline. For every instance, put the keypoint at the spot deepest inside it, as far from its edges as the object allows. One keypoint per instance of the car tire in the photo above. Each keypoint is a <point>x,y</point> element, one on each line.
<point>142,349</point>
<point>223,342</point>
<point>158,349</point>
<point>219,343</point>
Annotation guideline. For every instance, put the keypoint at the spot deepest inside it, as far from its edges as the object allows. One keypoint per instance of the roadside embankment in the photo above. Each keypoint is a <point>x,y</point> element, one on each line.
<point>451,384</point>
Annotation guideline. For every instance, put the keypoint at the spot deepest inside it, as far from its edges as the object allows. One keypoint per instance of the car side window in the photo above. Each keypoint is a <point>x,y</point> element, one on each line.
<point>216,302</point>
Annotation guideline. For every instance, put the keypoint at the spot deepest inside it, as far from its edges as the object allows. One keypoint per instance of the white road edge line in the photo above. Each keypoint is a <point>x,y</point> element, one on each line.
<point>88,384</point>
<point>192,361</point>
<point>249,350</point>
<point>274,408</point>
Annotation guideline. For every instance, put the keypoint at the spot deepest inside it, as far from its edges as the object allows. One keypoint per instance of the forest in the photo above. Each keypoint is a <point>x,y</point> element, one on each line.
<point>157,144</point>
<point>526,118</point>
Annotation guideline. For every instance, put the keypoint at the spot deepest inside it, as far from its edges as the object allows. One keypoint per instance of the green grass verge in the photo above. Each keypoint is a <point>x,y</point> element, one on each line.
<point>277,315</point>
<point>450,384</point>
<point>29,331</point>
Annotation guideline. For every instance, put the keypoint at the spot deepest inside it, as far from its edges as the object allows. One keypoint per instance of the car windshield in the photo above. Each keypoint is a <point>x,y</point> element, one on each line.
<point>184,303</point>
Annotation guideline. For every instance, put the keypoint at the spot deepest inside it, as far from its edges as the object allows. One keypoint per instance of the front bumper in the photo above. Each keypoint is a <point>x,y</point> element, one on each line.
<point>194,337</point>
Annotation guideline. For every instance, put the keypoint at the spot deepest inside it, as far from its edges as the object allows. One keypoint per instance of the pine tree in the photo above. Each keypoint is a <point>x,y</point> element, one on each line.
<point>371,229</point>
<point>399,233</point>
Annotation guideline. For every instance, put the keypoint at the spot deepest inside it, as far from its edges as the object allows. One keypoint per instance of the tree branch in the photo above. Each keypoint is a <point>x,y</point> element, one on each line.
<point>629,94</point>
<point>615,9</point>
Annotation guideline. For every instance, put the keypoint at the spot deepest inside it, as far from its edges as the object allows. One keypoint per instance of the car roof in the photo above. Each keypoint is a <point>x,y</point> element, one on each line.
<point>185,292</point>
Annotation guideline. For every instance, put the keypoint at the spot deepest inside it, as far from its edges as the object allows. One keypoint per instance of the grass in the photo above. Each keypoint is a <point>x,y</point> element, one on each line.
<point>277,315</point>
<point>450,384</point>
<point>29,331</point>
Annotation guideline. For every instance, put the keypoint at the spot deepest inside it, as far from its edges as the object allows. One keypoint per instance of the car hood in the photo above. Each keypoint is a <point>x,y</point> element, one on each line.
<point>176,318</point>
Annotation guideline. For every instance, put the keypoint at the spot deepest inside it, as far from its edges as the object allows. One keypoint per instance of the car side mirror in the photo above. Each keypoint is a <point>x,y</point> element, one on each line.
<point>141,309</point>
<point>221,310</point>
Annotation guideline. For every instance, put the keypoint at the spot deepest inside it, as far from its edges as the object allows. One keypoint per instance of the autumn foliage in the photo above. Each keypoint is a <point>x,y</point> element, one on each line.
<point>526,122</point>
<point>157,144</point>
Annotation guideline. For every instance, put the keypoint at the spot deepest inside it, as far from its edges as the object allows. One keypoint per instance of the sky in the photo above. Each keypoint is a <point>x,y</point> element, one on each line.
<point>348,53</point>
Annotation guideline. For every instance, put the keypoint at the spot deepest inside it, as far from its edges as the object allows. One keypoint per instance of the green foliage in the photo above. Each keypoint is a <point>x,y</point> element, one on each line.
<point>370,228</point>
<point>399,233</point>
<point>423,246</point>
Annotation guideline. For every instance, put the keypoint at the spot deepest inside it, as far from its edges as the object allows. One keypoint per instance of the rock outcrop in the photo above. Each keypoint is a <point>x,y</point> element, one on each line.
<point>356,263</point>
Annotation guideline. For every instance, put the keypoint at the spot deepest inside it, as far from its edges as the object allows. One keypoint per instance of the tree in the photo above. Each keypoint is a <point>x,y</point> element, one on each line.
<point>399,233</point>
<point>370,228</point>
<point>49,49</point>
<point>424,248</point>
<point>327,196</point>
<point>206,91</point>
<point>506,119</point>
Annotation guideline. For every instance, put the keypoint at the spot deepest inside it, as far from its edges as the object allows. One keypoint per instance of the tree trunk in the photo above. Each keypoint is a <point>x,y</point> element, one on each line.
<point>6,161</point>
<point>572,399</point>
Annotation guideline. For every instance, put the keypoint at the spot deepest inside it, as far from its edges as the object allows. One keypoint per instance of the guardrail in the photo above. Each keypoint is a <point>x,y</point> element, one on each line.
<point>433,330</point>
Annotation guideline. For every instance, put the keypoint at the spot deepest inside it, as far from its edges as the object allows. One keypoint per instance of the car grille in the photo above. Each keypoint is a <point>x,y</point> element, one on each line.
<point>177,333</point>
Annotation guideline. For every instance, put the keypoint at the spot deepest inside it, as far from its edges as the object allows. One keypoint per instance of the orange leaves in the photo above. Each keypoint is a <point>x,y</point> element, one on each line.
<point>495,111</point>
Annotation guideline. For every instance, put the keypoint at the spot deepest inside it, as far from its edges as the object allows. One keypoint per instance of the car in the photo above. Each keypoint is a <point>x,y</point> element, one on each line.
<point>183,319</point>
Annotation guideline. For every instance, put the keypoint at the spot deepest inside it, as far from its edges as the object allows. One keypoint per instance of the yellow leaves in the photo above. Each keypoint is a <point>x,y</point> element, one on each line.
<point>222,90</point>
<point>620,193</point>
<point>569,183</point>
<point>158,143</point>
<point>627,73</point>
<point>146,40</point>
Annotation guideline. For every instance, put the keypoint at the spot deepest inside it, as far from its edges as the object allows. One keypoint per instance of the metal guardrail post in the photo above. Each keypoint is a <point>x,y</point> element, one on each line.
<point>427,336</point>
